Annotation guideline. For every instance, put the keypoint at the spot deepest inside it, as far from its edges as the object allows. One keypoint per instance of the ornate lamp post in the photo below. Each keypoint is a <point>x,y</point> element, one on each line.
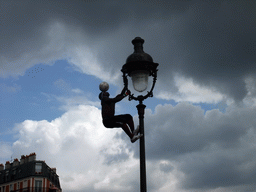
<point>139,66</point>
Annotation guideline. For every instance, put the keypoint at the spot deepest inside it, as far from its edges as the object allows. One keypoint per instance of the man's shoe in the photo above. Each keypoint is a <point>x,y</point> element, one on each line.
<point>136,137</point>
<point>136,131</point>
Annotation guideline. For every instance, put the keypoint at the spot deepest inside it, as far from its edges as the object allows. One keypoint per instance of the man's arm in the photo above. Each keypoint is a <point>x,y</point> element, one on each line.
<point>123,91</point>
<point>118,98</point>
<point>123,94</point>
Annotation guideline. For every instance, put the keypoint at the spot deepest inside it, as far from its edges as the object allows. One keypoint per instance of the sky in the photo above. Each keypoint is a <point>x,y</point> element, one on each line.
<point>200,127</point>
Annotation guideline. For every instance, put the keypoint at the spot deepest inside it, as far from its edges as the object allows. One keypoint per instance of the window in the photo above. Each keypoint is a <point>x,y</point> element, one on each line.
<point>38,186</point>
<point>38,167</point>
<point>6,175</point>
<point>13,174</point>
<point>25,184</point>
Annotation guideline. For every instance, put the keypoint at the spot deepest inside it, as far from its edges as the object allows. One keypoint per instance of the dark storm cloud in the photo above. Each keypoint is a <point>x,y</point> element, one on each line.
<point>21,19</point>
<point>220,42</point>
<point>212,42</point>
<point>165,167</point>
<point>219,169</point>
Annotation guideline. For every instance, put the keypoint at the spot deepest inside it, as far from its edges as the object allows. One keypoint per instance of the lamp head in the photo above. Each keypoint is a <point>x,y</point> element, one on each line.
<point>139,66</point>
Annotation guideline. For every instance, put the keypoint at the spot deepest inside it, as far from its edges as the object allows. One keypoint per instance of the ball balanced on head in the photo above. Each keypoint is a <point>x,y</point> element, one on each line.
<point>104,86</point>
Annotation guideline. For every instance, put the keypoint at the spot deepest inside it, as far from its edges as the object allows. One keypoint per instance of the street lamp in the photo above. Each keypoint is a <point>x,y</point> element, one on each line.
<point>139,66</point>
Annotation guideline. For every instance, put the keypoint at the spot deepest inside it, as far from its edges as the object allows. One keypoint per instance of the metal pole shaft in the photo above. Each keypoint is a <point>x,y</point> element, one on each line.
<point>143,182</point>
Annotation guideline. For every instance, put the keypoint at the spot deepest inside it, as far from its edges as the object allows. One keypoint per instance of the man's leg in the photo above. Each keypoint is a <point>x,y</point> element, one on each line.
<point>127,130</point>
<point>130,122</point>
<point>131,135</point>
<point>122,121</point>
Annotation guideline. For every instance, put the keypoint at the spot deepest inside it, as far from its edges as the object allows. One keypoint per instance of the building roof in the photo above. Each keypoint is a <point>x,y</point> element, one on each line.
<point>28,168</point>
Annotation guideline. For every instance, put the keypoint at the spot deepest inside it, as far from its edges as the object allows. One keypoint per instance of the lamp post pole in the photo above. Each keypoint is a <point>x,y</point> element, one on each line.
<point>143,182</point>
<point>139,66</point>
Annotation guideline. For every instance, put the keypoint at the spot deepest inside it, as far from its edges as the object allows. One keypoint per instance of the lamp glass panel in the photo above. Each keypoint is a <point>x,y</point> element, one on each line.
<point>140,80</point>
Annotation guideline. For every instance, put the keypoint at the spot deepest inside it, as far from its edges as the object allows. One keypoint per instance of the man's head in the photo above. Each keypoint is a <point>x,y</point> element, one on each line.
<point>104,86</point>
<point>103,94</point>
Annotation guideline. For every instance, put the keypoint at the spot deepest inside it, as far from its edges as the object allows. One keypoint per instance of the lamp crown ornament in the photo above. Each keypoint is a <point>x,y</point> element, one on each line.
<point>138,54</point>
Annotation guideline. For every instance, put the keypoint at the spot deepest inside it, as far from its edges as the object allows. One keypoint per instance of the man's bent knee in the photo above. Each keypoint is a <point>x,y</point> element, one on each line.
<point>128,116</point>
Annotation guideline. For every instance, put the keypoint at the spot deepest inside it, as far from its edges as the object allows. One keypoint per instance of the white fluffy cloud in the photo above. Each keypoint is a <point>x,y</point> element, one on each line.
<point>80,147</point>
<point>186,149</point>
<point>191,92</point>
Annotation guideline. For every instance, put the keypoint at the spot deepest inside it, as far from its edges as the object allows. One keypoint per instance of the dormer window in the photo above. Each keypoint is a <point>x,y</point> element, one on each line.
<point>38,168</point>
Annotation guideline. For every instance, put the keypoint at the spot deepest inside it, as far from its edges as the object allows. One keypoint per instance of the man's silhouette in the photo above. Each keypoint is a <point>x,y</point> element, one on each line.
<point>110,120</point>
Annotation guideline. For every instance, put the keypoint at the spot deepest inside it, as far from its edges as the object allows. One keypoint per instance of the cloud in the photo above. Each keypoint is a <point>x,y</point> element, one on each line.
<point>86,154</point>
<point>79,91</point>
<point>186,149</point>
<point>61,84</point>
<point>212,43</point>
<point>215,43</point>
<point>210,150</point>
<point>189,91</point>
<point>8,90</point>
<point>70,97</point>
<point>5,150</point>
<point>206,53</point>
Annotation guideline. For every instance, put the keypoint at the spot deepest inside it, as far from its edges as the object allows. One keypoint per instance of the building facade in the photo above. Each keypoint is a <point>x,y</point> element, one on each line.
<point>28,175</point>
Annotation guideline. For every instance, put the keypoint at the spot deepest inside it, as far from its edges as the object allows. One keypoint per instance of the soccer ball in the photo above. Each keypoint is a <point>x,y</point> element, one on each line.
<point>104,86</point>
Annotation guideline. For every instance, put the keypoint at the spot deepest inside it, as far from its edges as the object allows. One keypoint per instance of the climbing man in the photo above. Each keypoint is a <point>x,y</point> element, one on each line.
<point>110,120</point>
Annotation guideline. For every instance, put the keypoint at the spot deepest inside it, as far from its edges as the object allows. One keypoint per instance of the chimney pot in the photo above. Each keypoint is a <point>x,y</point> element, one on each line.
<point>16,162</point>
<point>54,169</point>
<point>7,165</point>
<point>1,167</point>
<point>32,157</point>
<point>22,159</point>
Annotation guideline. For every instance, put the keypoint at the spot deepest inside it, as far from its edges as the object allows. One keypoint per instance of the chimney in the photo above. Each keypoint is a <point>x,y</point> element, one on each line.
<point>22,159</point>
<point>26,159</point>
<point>16,162</point>
<point>54,169</point>
<point>32,157</point>
<point>7,165</point>
<point>1,167</point>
